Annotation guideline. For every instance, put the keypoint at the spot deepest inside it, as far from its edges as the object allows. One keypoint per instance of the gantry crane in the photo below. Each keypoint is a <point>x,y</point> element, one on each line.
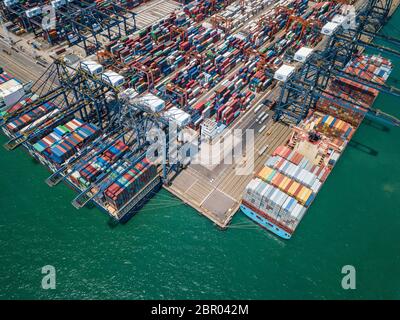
<point>74,91</point>
<point>308,85</point>
<point>80,23</point>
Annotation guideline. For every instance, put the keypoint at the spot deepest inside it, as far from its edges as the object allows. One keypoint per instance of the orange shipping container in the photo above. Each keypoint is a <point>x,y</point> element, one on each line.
<point>277,179</point>
<point>299,189</point>
<point>285,181</point>
<point>288,186</point>
<point>297,157</point>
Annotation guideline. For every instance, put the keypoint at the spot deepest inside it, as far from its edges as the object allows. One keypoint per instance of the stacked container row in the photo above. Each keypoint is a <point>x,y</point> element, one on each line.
<point>126,186</point>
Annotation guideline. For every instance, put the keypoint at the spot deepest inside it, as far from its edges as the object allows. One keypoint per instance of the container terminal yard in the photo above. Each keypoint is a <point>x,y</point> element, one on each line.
<point>108,73</point>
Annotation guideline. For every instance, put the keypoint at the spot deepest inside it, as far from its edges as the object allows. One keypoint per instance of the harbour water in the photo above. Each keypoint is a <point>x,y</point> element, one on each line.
<point>168,251</point>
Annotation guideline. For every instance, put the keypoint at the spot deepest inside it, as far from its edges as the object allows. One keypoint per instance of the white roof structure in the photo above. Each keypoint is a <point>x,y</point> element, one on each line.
<point>284,73</point>
<point>181,117</point>
<point>329,28</point>
<point>33,12</point>
<point>92,67</point>
<point>11,92</point>
<point>303,54</point>
<point>9,87</point>
<point>56,4</point>
<point>153,102</point>
<point>113,78</point>
<point>339,19</point>
<point>9,3</point>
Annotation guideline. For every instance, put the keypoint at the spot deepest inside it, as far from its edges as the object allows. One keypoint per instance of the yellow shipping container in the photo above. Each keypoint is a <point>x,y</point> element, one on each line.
<point>329,121</point>
<point>293,188</point>
<point>337,124</point>
<point>340,126</point>
<point>284,183</point>
<point>264,173</point>
<point>308,194</point>
<point>300,195</point>
<point>304,195</point>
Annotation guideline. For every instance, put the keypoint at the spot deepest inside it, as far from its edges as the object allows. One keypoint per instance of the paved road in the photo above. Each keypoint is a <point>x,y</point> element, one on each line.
<point>153,11</point>
<point>21,66</point>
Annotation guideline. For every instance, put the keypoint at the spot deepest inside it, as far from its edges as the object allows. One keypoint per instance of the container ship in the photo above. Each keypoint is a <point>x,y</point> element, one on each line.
<point>279,195</point>
<point>78,153</point>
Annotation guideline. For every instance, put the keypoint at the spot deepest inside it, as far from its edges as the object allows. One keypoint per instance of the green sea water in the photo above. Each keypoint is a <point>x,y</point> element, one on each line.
<point>168,251</point>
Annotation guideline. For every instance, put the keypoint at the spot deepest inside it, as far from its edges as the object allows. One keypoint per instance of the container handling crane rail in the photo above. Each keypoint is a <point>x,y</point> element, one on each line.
<point>308,84</point>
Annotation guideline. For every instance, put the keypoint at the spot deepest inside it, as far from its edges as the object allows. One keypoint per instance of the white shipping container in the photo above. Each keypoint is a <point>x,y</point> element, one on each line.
<point>298,212</point>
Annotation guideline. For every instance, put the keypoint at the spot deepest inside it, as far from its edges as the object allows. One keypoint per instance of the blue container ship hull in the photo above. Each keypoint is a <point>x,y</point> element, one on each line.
<point>265,223</point>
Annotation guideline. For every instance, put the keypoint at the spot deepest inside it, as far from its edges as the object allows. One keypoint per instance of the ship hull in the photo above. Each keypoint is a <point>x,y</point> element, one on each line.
<point>264,223</point>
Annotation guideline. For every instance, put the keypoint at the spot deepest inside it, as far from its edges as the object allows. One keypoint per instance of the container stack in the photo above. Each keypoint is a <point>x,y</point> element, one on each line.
<point>70,139</point>
<point>285,187</point>
<point>284,152</point>
<point>161,49</point>
<point>126,186</point>
<point>307,174</point>
<point>332,126</point>
<point>28,117</point>
<point>198,10</point>
<point>273,204</point>
<point>352,117</point>
<point>56,135</point>
<point>196,77</point>
<point>155,52</point>
<point>100,164</point>
<point>22,103</point>
<point>300,192</point>
<point>372,68</point>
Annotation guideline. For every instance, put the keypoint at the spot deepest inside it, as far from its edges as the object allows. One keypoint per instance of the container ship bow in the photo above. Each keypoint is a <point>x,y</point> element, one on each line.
<point>278,197</point>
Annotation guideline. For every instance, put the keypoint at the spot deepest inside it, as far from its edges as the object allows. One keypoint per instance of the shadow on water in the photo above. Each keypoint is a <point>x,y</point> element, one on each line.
<point>112,224</point>
<point>362,147</point>
<point>91,206</point>
<point>34,161</point>
<point>376,125</point>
